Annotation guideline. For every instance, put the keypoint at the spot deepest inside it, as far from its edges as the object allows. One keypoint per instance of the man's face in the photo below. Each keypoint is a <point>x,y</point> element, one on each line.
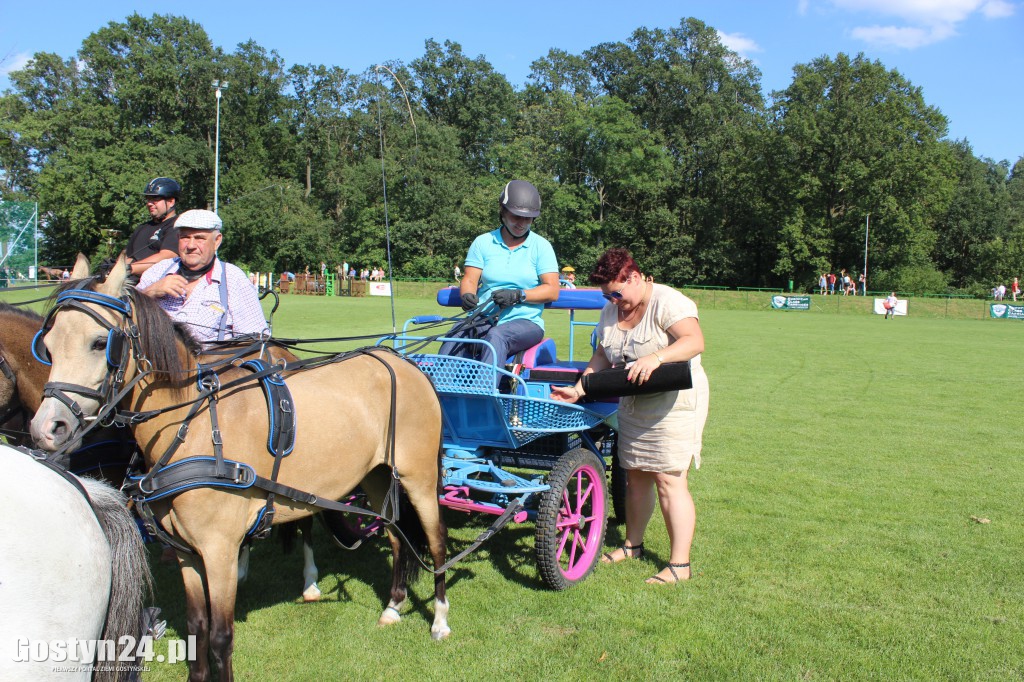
<point>197,247</point>
<point>158,206</point>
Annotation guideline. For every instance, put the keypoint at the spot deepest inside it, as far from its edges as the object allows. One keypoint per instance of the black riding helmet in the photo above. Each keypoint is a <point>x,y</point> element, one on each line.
<point>162,187</point>
<point>520,198</point>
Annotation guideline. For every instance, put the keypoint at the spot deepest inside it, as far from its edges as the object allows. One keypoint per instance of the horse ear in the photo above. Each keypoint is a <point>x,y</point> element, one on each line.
<point>114,284</point>
<point>81,269</point>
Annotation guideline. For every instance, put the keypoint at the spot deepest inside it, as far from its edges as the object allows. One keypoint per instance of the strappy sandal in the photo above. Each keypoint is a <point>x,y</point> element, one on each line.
<point>633,552</point>
<point>657,579</point>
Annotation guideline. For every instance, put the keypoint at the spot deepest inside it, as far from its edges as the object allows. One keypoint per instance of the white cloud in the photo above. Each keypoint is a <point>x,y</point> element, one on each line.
<point>997,9</point>
<point>14,62</point>
<point>927,21</point>
<point>739,43</point>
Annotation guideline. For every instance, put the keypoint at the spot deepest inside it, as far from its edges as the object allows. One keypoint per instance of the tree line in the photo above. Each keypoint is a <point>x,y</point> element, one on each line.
<point>664,143</point>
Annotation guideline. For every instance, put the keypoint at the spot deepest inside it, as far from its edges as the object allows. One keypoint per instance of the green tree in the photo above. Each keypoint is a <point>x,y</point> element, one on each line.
<point>855,138</point>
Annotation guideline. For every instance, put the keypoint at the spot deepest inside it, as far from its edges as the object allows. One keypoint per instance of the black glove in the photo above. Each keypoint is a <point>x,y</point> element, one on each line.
<point>506,298</point>
<point>469,301</point>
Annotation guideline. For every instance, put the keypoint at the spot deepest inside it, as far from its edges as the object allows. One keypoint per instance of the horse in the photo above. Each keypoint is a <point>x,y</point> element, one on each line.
<point>51,273</point>
<point>107,452</point>
<point>73,567</point>
<point>368,417</point>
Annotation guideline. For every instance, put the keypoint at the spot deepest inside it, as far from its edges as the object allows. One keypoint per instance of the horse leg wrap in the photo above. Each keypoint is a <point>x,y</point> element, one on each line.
<point>391,614</point>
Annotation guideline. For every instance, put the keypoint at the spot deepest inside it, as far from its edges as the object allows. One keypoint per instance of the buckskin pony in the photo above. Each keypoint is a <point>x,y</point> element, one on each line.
<point>107,341</point>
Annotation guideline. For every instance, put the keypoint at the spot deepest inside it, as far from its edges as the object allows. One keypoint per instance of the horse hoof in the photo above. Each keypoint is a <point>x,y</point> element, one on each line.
<point>438,634</point>
<point>312,594</point>
<point>389,617</point>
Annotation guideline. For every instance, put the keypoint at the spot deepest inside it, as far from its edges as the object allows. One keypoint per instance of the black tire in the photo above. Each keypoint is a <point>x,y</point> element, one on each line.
<point>572,519</point>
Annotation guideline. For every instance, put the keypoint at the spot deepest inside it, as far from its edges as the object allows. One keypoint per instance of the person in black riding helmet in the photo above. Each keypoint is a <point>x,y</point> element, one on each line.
<point>516,269</point>
<point>156,240</point>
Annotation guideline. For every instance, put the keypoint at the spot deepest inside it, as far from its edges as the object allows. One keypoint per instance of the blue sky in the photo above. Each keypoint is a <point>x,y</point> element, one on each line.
<point>966,55</point>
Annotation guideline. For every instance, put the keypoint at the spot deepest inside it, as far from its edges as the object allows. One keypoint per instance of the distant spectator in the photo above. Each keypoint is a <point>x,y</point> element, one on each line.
<point>863,279</point>
<point>65,274</point>
<point>1000,292</point>
<point>823,284</point>
<point>1015,288</point>
<point>457,271</point>
<point>890,305</point>
<point>831,284</point>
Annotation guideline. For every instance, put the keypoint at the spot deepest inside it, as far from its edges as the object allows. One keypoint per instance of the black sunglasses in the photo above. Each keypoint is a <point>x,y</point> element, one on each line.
<point>615,295</point>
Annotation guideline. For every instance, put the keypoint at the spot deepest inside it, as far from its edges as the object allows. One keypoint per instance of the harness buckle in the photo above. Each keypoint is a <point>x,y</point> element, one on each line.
<point>218,440</point>
<point>182,432</point>
<point>286,406</point>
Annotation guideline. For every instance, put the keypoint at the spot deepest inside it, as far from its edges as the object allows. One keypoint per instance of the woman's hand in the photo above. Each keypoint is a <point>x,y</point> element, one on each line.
<point>640,371</point>
<point>567,394</point>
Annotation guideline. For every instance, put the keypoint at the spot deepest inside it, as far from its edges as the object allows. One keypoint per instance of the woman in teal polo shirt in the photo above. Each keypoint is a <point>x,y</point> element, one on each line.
<point>517,269</point>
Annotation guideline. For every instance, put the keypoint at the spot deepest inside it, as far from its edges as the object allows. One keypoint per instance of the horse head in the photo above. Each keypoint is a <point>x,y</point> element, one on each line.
<point>101,338</point>
<point>77,339</point>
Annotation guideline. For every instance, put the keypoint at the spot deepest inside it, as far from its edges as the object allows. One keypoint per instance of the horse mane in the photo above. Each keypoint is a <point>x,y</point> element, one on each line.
<point>160,336</point>
<point>8,309</point>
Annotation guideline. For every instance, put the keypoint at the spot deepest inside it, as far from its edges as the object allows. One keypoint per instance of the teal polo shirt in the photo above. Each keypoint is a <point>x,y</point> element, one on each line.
<point>504,268</point>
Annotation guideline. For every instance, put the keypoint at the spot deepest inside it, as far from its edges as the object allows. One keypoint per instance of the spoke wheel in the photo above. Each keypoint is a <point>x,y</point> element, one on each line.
<point>571,519</point>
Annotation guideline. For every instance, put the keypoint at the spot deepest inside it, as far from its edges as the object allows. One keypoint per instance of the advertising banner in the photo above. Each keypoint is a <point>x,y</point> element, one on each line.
<point>791,302</point>
<point>901,307</point>
<point>380,288</point>
<point>1009,312</point>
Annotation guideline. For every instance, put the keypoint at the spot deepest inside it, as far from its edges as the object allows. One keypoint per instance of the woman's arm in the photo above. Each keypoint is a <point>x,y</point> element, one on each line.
<point>689,343</point>
<point>546,291</point>
<point>570,394</point>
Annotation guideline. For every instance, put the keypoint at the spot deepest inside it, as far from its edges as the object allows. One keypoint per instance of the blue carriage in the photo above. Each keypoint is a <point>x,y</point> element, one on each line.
<point>512,452</point>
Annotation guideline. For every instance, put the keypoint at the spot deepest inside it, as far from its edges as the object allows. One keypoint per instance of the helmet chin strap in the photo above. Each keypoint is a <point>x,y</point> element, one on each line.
<point>164,215</point>
<point>513,234</point>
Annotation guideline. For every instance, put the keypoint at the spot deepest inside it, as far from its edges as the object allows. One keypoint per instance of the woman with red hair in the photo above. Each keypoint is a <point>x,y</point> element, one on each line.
<point>643,326</point>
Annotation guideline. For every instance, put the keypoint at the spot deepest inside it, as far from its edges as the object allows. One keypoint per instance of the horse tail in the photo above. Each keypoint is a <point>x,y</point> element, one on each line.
<point>411,528</point>
<point>130,579</point>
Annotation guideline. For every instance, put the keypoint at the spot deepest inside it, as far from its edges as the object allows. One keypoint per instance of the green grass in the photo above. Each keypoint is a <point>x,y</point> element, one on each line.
<point>845,460</point>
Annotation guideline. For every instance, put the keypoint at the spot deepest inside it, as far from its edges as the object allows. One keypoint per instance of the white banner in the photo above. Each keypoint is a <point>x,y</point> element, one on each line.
<point>380,288</point>
<point>901,306</point>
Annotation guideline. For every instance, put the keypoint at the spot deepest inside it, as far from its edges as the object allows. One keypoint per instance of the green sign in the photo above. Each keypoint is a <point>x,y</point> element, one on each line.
<point>1009,312</point>
<point>791,302</point>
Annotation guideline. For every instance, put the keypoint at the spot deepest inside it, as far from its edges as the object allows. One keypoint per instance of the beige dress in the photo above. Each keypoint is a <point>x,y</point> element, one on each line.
<point>659,432</point>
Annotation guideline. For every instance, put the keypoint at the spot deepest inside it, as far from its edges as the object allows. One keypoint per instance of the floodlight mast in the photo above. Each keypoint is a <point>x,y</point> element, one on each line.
<point>218,85</point>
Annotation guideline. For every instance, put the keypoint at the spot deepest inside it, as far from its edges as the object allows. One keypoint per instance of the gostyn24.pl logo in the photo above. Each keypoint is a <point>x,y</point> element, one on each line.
<point>127,649</point>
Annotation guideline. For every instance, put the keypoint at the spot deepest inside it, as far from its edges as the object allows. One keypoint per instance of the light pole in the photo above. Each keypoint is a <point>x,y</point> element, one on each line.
<point>867,225</point>
<point>217,86</point>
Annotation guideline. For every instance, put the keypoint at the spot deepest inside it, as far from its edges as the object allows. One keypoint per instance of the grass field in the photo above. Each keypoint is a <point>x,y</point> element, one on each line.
<point>858,518</point>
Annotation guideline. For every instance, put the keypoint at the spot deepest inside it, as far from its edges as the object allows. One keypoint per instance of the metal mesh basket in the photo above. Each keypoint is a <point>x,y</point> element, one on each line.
<point>458,375</point>
<point>531,418</point>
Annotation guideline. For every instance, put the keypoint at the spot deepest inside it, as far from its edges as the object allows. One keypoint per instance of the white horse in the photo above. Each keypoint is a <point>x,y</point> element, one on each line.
<point>69,571</point>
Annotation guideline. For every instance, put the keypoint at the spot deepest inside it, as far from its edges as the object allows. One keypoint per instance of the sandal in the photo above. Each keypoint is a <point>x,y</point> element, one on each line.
<point>628,552</point>
<point>657,579</point>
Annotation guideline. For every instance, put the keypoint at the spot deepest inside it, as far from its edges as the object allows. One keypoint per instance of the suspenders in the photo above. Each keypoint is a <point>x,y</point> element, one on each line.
<point>223,288</point>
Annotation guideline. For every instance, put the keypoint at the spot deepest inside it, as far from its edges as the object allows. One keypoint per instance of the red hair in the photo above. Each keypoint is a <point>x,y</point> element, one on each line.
<point>614,265</point>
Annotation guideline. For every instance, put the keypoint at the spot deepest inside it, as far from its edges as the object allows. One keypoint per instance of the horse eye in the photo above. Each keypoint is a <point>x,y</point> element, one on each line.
<point>99,344</point>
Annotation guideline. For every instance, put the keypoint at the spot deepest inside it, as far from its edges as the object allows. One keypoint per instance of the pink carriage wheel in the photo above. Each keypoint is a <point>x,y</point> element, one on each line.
<point>571,519</point>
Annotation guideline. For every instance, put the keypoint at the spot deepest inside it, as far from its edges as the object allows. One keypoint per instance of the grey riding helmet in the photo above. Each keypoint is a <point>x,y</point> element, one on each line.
<point>520,198</point>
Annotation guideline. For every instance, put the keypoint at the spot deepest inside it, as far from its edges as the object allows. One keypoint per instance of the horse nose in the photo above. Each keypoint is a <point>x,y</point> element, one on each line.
<point>49,434</point>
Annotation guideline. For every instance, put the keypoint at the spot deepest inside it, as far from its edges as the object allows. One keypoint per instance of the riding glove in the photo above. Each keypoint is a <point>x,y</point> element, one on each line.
<point>506,298</point>
<point>469,301</point>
